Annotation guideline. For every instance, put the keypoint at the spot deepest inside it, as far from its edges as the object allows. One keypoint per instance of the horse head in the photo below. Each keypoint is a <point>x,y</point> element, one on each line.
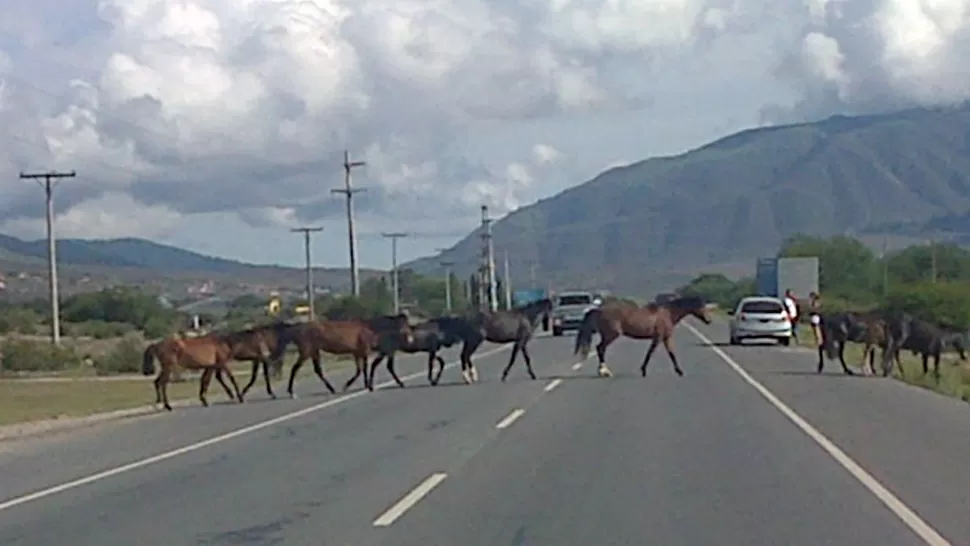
<point>958,342</point>
<point>693,306</point>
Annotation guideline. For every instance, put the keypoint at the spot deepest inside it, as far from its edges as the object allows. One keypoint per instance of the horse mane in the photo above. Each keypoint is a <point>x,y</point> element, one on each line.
<point>684,302</point>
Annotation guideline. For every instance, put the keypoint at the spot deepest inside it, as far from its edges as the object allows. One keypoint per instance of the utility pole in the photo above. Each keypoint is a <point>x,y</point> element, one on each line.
<point>394,280</point>
<point>49,181</point>
<point>508,282</point>
<point>447,265</point>
<point>348,190</point>
<point>306,231</point>
<point>885,268</point>
<point>933,264</point>
<point>489,259</point>
<point>532,273</point>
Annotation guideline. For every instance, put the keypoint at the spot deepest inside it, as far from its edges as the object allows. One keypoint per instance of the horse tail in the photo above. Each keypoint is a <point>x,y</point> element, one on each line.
<point>148,360</point>
<point>584,338</point>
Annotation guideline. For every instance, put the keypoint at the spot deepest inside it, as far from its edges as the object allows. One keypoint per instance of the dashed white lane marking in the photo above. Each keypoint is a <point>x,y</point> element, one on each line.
<point>577,365</point>
<point>510,418</point>
<point>922,529</point>
<point>552,384</point>
<point>408,501</point>
<point>66,486</point>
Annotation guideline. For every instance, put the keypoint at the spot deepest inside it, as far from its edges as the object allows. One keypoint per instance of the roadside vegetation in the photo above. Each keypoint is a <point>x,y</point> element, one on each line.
<point>104,334</point>
<point>928,282</point>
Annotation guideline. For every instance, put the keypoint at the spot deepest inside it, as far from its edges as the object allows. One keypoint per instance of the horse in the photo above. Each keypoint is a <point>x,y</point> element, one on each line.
<point>253,344</point>
<point>922,338</point>
<point>428,337</point>
<point>514,325</point>
<point>655,321</point>
<point>358,338</point>
<point>841,328</point>
<point>210,353</point>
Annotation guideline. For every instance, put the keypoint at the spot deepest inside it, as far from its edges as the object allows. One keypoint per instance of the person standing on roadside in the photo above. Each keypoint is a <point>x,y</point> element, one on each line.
<point>791,306</point>
<point>815,316</point>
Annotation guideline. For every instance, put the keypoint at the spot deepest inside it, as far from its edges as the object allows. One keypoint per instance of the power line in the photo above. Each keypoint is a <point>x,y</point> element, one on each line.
<point>394,279</point>
<point>306,231</point>
<point>348,191</point>
<point>50,179</point>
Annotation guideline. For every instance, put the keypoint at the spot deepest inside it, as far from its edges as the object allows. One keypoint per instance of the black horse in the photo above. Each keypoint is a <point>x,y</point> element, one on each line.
<point>428,337</point>
<point>922,338</point>
<point>837,330</point>
<point>506,326</point>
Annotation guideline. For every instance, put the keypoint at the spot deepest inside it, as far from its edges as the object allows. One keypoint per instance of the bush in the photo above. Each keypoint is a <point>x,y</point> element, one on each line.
<point>19,320</point>
<point>947,303</point>
<point>98,329</point>
<point>123,358</point>
<point>22,355</point>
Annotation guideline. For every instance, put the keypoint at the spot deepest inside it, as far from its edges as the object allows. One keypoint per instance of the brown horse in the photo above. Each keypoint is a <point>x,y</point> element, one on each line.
<point>655,321</point>
<point>357,338</point>
<point>210,353</point>
<point>258,345</point>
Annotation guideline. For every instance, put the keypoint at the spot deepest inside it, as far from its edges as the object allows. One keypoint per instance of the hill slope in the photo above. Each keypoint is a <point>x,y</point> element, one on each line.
<point>739,197</point>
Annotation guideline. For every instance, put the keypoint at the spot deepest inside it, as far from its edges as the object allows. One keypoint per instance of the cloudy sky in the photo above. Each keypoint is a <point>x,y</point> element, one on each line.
<point>216,125</point>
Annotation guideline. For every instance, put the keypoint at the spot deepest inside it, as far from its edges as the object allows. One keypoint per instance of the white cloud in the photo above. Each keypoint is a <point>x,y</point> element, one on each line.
<point>197,107</point>
<point>111,215</point>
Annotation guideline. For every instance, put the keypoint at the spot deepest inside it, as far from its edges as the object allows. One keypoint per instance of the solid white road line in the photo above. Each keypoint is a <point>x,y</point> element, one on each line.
<point>552,384</point>
<point>408,501</point>
<point>23,499</point>
<point>577,365</point>
<point>922,529</point>
<point>510,418</point>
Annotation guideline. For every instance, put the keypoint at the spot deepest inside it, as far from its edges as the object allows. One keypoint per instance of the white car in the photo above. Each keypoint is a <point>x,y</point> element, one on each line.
<point>760,317</point>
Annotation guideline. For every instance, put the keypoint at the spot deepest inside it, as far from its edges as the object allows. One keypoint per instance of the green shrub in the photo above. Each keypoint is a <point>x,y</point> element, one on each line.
<point>22,355</point>
<point>125,357</point>
<point>946,303</point>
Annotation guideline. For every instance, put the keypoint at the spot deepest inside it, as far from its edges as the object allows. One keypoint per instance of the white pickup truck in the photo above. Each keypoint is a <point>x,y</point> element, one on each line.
<point>569,308</point>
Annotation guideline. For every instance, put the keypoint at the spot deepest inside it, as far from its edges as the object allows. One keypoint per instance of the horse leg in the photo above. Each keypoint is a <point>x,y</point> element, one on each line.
<point>936,366</point>
<point>441,368</point>
<point>204,386</point>
<point>225,387</point>
<point>845,367</point>
<point>528,361</point>
<point>318,370</point>
<point>673,357</point>
<point>515,351</point>
<point>296,367</point>
<point>369,373</point>
<point>926,365</point>
<point>646,358</point>
<point>252,377</point>
<point>468,372</point>
<point>160,381</point>
<point>868,353</point>
<point>606,338</point>
<point>269,383</point>
<point>431,356</point>
<point>393,372</point>
<point>224,367</point>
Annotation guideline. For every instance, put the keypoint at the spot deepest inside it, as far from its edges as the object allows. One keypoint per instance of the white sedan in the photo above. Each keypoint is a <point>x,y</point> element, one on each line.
<point>760,317</point>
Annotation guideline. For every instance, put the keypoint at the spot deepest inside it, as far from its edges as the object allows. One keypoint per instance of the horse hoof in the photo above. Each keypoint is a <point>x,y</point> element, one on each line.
<point>293,396</point>
<point>168,408</point>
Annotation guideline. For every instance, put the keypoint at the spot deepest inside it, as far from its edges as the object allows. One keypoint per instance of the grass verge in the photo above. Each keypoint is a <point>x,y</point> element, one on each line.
<point>23,401</point>
<point>954,375</point>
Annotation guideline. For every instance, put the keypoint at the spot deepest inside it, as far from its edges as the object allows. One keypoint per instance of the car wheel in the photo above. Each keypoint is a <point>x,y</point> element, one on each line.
<point>734,341</point>
<point>785,341</point>
<point>557,332</point>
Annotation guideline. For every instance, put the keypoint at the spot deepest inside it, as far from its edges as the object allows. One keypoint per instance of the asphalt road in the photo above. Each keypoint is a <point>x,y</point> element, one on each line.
<point>569,459</point>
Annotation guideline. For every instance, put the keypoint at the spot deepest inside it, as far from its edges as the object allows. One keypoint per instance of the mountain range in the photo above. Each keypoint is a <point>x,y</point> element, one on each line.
<point>889,179</point>
<point>893,178</point>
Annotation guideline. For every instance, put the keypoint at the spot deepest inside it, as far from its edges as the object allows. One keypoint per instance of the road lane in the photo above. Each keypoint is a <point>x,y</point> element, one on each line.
<point>323,475</point>
<point>911,439</point>
<point>696,460</point>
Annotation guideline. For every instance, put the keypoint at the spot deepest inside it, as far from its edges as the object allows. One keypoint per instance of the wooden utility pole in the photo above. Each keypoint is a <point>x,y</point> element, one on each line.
<point>306,231</point>
<point>394,278</point>
<point>47,181</point>
<point>447,266</point>
<point>508,282</point>
<point>489,258</point>
<point>348,191</point>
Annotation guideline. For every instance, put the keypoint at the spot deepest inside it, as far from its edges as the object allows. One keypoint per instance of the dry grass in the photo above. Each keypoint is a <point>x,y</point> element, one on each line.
<point>23,400</point>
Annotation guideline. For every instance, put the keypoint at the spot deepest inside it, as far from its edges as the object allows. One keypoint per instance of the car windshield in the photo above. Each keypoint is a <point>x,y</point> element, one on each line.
<point>577,299</point>
<point>762,306</point>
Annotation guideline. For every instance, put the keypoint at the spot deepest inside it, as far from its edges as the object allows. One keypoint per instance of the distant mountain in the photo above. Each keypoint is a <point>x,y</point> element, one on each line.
<point>141,261</point>
<point>654,222</point>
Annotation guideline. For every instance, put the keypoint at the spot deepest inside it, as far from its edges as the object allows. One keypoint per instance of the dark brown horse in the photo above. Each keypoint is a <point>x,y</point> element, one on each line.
<point>655,321</point>
<point>210,353</point>
<point>258,345</point>
<point>357,338</point>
